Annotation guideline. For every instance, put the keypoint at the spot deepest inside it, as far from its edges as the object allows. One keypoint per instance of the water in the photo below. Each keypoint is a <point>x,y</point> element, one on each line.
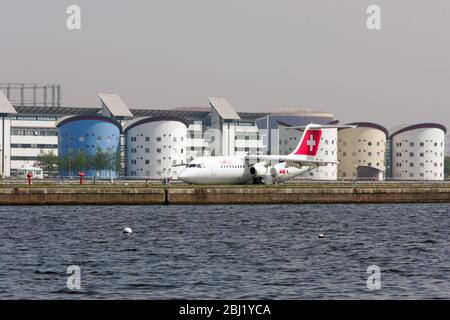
<point>225,252</point>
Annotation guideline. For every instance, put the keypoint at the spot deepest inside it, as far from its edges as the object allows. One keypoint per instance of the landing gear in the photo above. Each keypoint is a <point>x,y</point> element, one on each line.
<point>258,180</point>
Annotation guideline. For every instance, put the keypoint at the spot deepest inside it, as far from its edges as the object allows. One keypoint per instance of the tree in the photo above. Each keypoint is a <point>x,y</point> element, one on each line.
<point>118,165</point>
<point>114,163</point>
<point>447,167</point>
<point>81,162</point>
<point>66,163</point>
<point>100,161</point>
<point>47,161</point>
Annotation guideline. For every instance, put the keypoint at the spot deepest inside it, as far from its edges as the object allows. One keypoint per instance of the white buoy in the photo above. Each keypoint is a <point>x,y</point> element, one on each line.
<point>321,235</point>
<point>127,230</point>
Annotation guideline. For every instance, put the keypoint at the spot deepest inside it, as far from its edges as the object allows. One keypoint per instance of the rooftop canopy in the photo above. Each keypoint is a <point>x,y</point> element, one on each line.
<point>223,108</point>
<point>6,106</point>
<point>369,125</point>
<point>114,104</point>
<point>419,126</point>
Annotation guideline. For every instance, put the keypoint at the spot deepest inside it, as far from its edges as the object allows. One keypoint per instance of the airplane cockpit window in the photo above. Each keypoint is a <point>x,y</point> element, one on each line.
<point>199,165</point>
<point>192,165</point>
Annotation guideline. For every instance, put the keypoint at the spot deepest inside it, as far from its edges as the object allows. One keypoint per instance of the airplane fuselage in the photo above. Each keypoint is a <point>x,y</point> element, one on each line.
<point>232,170</point>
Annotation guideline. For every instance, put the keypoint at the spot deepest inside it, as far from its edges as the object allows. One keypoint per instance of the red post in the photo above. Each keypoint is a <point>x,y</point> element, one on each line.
<point>29,176</point>
<point>81,174</point>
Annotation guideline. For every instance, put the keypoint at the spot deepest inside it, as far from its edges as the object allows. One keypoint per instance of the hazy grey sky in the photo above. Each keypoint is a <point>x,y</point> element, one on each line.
<point>261,55</point>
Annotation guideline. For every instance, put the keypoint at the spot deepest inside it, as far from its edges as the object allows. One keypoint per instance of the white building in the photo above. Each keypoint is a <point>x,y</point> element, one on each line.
<point>196,144</point>
<point>154,146</point>
<point>289,140</point>
<point>447,145</point>
<point>29,136</point>
<point>230,135</point>
<point>23,137</point>
<point>418,152</point>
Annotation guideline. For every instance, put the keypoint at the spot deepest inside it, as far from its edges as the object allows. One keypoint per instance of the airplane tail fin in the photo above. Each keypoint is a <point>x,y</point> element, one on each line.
<point>309,142</point>
<point>311,138</point>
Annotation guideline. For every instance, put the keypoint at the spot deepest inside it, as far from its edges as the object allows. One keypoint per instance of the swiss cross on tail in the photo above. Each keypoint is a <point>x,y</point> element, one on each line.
<point>309,143</point>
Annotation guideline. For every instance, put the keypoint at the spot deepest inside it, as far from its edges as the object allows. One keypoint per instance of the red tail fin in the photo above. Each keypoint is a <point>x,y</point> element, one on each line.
<point>309,143</point>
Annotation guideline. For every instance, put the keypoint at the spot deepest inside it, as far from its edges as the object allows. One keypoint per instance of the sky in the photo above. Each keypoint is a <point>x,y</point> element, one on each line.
<point>261,55</point>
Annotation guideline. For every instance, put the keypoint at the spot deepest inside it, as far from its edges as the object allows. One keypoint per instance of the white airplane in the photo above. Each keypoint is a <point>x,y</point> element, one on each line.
<point>237,170</point>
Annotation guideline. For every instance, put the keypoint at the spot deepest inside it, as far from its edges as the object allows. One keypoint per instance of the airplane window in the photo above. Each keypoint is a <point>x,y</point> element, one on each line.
<point>191,165</point>
<point>199,165</point>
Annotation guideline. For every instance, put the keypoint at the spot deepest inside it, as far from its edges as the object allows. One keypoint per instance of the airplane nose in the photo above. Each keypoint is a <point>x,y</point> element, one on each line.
<point>184,175</point>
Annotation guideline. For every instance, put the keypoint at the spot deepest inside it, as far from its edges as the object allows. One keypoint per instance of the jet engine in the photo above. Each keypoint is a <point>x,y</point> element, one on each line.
<point>258,171</point>
<point>278,170</point>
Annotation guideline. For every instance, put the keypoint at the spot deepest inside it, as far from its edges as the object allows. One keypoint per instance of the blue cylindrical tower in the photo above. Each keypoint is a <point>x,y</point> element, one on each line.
<point>90,144</point>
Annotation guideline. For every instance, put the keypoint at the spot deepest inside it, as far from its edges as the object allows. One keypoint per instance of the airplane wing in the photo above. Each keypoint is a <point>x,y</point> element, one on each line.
<point>180,165</point>
<point>290,158</point>
<point>322,126</point>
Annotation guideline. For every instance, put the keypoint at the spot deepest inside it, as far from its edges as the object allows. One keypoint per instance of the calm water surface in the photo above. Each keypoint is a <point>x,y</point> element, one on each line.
<point>225,252</point>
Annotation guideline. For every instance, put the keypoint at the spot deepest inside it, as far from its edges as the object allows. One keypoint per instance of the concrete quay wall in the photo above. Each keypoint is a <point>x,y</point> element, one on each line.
<point>221,195</point>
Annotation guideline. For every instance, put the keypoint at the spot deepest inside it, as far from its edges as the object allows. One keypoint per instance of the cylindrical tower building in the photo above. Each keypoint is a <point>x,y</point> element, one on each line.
<point>418,152</point>
<point>90,144</point>
<point>154,146</point>
<point>362,151</point>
